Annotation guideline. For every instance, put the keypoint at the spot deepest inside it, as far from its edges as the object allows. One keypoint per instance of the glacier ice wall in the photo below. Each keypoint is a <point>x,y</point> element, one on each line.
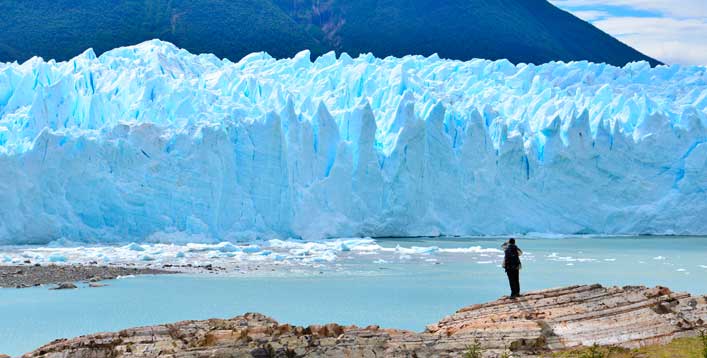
<point>151,142</point>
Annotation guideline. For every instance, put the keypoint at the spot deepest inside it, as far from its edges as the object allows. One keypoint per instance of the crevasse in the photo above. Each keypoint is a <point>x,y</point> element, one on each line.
<point>152,143</point>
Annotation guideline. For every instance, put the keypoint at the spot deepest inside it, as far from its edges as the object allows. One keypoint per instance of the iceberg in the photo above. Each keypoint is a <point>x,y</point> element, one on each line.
<point>134,247</point>
<point>153,143</point>
<point>56,257</point>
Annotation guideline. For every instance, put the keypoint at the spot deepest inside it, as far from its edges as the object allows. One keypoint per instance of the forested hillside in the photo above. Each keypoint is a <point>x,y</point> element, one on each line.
<point>519,30</point>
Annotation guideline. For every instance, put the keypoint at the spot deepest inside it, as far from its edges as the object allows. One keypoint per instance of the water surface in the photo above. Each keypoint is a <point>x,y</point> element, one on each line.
<point>396,288</point>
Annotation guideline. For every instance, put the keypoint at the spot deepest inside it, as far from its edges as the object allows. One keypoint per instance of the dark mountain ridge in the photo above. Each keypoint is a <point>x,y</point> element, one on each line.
<point>519,30</point>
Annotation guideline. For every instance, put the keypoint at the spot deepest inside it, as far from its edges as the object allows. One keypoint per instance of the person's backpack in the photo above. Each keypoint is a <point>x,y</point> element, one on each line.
<point>511,259</point>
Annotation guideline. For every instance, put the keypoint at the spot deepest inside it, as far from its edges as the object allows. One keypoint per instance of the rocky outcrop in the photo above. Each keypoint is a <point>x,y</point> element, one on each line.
<point>536,323</point>
<point>558,319</point>
<point>64,286</point>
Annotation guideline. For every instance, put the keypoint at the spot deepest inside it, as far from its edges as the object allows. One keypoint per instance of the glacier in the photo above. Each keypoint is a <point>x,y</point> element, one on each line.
<point>150,143</point>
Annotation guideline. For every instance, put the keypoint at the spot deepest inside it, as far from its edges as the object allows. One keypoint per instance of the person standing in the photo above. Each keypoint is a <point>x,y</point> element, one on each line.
<point>512,265</point>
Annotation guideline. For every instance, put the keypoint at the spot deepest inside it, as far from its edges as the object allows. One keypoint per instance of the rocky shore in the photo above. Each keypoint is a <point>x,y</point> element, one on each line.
<point>21,276</point>
<point>533,325</point>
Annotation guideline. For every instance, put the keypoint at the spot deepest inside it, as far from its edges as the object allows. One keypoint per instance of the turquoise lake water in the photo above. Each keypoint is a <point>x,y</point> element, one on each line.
<point>395,291</point>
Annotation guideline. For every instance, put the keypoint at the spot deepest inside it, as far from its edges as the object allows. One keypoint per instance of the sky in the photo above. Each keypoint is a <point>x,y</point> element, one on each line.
<point>671,31</point>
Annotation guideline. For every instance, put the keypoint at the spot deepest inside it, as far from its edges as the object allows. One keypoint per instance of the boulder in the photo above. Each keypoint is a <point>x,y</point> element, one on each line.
<point>64,286</point>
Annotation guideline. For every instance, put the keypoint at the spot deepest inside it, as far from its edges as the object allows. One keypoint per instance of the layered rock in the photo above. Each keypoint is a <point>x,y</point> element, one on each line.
<point>558,319</point>
<point>538,322</point>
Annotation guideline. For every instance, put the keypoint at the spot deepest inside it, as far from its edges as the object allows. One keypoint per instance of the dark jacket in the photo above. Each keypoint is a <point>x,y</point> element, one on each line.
<point>511,257</point>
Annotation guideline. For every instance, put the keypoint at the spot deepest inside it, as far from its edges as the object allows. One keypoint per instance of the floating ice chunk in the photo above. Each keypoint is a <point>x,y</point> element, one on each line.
<point>419,250</point>
<point>62,242</point>
<point>134,247</point>
<point>192,247</point>
<point>471,250</point>
<point>180,255</point>
<point>303,248</point>
<point>300,252</point>
<point>284,244</point>
<point>556,257</point>
<point>251,249</point>
<point>323,257</point>
<point>425,250</point>
<point>56,257</point>
<point>366,247</point>
<point>227,247</point>
<point>659,258</point>
<point>147,258</point>
<point>360,244</point>
<point>6,258</point>
<point>278,257</point>
<point>171,235</point>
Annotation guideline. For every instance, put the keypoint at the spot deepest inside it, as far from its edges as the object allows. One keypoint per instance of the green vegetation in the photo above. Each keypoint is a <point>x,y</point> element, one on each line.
<point>593,352</point>
<point>473,351</point>
<point>506,354</point>
<point>63,29</point>
<point>695,347</point>
<point>519,30</point>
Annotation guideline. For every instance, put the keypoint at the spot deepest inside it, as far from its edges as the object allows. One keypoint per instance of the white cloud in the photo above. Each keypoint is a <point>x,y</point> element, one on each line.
<point>676,32</point>
<point>590,15</point>
<point>667,39</point>
<point>682,8</point>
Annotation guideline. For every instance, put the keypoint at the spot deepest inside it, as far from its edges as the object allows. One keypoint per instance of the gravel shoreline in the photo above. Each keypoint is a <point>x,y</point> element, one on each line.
<point>21,276</point>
